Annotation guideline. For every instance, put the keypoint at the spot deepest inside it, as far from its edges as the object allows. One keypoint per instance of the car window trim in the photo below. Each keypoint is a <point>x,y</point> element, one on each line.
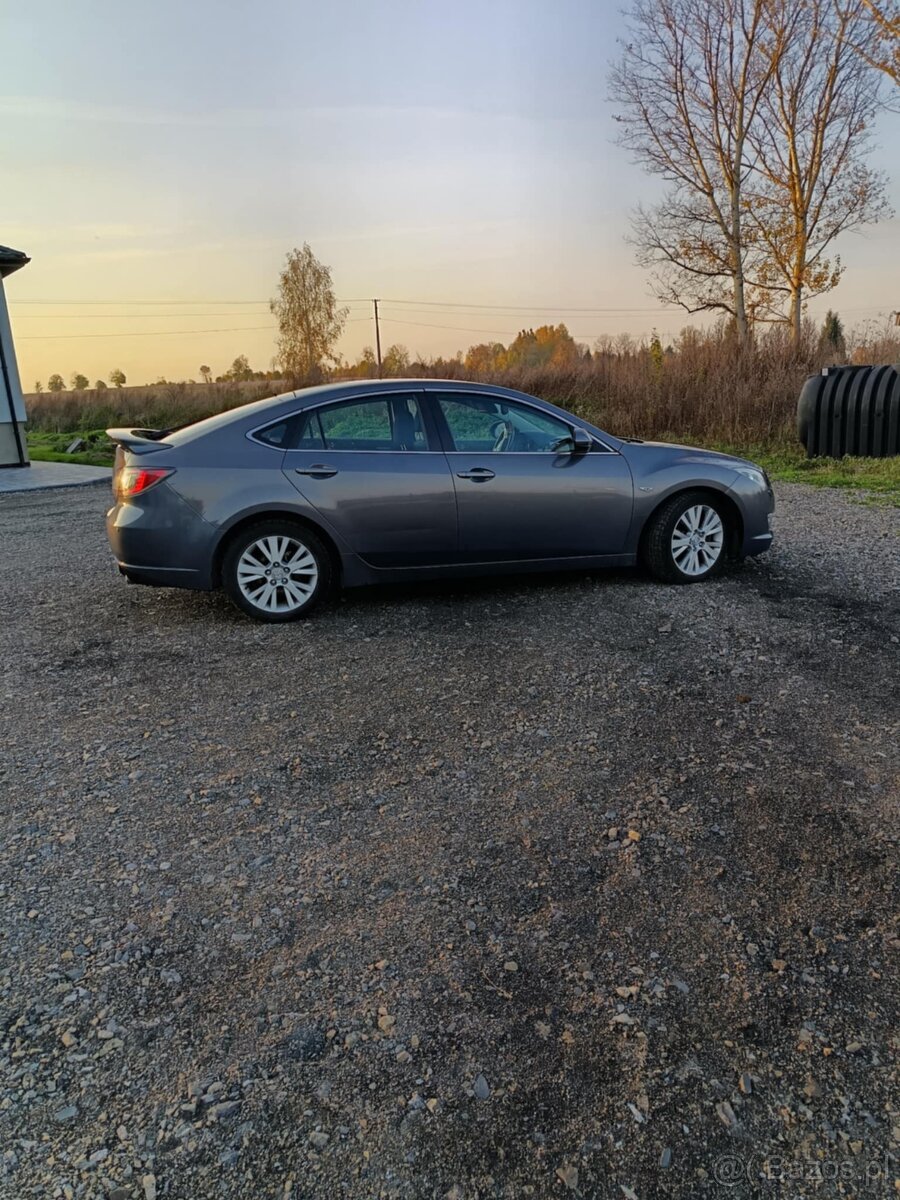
<point>422,393</point>
<point>435,391</point>
<point>381,393</point>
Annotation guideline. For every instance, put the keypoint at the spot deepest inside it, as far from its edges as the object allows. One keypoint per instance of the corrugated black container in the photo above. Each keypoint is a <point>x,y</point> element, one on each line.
<point>851,410</point>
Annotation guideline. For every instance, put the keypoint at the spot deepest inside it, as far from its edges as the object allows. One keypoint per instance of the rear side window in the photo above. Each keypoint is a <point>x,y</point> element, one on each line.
<point>299,432</point>
<point>382,423</point>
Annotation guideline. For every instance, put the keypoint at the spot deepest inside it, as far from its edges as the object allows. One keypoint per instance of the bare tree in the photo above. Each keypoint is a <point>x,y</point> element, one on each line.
<point>881,46</point>
<point>309,319</point>
<point>690,83</point>
<point>809,146</point>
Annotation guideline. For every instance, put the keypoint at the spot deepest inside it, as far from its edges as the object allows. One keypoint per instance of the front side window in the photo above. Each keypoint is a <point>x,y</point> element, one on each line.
<point>379,423</point>
<point>492,425</point>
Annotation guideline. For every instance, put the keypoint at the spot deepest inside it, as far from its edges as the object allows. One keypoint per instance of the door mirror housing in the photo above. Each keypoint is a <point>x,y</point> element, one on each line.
<point>581,440</point>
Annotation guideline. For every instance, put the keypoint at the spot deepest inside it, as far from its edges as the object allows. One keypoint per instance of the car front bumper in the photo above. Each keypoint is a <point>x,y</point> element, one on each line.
<point>757,505</point>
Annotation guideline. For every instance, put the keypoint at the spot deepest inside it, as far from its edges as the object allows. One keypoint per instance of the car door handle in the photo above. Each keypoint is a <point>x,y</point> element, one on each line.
<point>317,470</point>
<point>478,474</point>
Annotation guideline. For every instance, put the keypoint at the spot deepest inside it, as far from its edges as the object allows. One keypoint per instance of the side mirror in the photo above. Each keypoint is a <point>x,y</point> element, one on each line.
<point>581,440</point>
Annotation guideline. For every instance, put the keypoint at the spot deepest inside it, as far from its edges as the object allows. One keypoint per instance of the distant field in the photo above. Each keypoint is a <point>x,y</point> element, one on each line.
<point>157,406</point>
<point>702,395</point>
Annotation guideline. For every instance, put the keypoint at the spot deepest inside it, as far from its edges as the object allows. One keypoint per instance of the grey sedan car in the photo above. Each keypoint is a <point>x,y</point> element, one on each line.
<point>355,483</point>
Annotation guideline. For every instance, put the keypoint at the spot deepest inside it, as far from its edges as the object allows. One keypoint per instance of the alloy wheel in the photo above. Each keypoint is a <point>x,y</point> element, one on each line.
<point>697,540</point>
<point>277,574</point>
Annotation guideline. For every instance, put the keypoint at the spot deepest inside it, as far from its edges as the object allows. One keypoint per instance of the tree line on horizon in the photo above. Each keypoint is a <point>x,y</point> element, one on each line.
<point>546,347</point>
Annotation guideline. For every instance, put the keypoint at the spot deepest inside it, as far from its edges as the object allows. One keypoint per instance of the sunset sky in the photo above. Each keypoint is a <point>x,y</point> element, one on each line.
<point>457,154</point>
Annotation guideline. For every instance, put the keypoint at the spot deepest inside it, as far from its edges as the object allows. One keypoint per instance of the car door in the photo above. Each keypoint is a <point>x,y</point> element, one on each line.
<point>521,491</point>
<point>368,466</point>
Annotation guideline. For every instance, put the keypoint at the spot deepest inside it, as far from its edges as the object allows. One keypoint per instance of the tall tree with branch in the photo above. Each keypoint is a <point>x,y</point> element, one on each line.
<point>809,144</point>
<point>881,47</point>
<point>309,319</point>
<point>690,84</point>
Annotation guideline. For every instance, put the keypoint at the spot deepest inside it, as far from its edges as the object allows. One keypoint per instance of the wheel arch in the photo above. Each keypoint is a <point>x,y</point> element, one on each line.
<point>730,510</point>
<point>280,514</point>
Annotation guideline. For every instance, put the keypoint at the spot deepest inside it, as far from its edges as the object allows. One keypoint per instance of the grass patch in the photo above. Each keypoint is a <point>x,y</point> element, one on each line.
<point>787,464</point>
<point>97,451</point>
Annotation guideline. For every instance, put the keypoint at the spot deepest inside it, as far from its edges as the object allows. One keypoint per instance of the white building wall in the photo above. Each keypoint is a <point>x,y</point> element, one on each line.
<point>12,369</point>
<point>12,406</point>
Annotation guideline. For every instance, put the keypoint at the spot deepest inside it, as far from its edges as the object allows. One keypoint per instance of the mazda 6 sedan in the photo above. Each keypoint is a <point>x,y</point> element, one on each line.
<point>283,500</point>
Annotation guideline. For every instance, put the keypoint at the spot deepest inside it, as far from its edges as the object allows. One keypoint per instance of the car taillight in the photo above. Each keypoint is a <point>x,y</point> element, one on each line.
<point>131,481</point>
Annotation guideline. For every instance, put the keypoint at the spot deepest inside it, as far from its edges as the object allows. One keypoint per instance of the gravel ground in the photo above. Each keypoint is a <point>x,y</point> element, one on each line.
<point>563,886</point>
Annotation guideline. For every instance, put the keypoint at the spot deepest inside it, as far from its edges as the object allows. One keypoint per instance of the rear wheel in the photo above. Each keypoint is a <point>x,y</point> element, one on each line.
<point>686,539</point>
<point>276,571</point>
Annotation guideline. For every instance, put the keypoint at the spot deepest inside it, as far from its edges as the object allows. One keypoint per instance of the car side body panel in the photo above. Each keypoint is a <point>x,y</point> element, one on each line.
<point>391,509</point>
<point>174,533</point>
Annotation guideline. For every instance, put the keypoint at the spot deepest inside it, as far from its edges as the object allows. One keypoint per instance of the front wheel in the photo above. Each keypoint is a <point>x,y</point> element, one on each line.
<point>685,541</point>
<point>276,571</point>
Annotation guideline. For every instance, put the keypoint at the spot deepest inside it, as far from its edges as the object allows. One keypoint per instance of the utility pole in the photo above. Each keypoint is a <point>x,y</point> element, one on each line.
<point>377,338</point>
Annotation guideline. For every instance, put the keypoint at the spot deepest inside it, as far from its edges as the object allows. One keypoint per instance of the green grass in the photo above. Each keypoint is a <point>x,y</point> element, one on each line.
<point>789,464</point>
<point>878,477</point>
<point>98,450</point>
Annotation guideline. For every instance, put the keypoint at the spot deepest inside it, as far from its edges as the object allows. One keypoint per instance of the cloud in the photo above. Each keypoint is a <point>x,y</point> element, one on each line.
<point>53,109</point>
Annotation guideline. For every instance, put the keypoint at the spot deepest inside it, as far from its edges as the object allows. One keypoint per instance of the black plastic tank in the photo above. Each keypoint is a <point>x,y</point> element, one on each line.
<point>850,410</point>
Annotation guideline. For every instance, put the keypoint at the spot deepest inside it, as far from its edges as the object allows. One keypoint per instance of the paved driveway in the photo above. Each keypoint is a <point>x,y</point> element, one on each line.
<point>526,888</point>
<point>41,475</point>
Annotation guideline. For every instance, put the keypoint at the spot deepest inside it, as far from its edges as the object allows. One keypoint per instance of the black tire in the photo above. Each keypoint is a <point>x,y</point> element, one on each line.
<point>657,550</point>
<point>299,536</point>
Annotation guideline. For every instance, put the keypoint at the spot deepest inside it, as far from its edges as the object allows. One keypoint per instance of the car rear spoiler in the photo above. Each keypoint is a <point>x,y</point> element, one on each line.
<point>140,441</point>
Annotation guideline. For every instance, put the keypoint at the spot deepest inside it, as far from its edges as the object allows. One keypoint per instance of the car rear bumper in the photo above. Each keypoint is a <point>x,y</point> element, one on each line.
<point>158,539</point>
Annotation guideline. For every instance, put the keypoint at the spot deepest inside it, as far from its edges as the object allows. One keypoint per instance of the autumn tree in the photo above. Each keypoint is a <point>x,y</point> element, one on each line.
<point>486,358</point>
<point>831,340</point>
<point>366,366</point>
<point>309,319</point>
<point>240,370</point>
<point>117,378</point>
<point>757,113</point>
<point>548,345</point>
<point>80,382</point>
<point>810,180</point>
<point>395,362</point>
<point>56,383</point>
<point>880,48</point>
<point>689,86</point>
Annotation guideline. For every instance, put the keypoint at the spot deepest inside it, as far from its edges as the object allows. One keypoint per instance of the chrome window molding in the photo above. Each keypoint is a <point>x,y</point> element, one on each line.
<point>525,404</point>
<point>381,393</point>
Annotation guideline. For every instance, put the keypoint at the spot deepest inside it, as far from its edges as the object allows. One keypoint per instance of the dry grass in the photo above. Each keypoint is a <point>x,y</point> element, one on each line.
<point>157,406</point>
<point>702,388</point>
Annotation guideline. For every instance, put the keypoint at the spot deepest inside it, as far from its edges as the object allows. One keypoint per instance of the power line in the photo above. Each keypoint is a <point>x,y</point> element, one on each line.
<point>452,328</point>
<point>511,308</point>
<point>468,329</point>
<point>59,337</point>
<point>447,305</point>
<point>127,316</point>
<point>137,303</point>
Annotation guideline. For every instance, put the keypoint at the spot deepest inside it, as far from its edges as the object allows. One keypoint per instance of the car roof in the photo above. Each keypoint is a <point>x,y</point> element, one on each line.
<point>259,412</point>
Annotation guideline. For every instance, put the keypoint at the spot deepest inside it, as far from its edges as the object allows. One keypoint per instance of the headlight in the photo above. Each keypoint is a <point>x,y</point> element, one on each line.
<point>758,476</point>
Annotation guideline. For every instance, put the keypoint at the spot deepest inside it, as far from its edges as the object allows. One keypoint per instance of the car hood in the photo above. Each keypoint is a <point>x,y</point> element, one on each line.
<point>660,452</point>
